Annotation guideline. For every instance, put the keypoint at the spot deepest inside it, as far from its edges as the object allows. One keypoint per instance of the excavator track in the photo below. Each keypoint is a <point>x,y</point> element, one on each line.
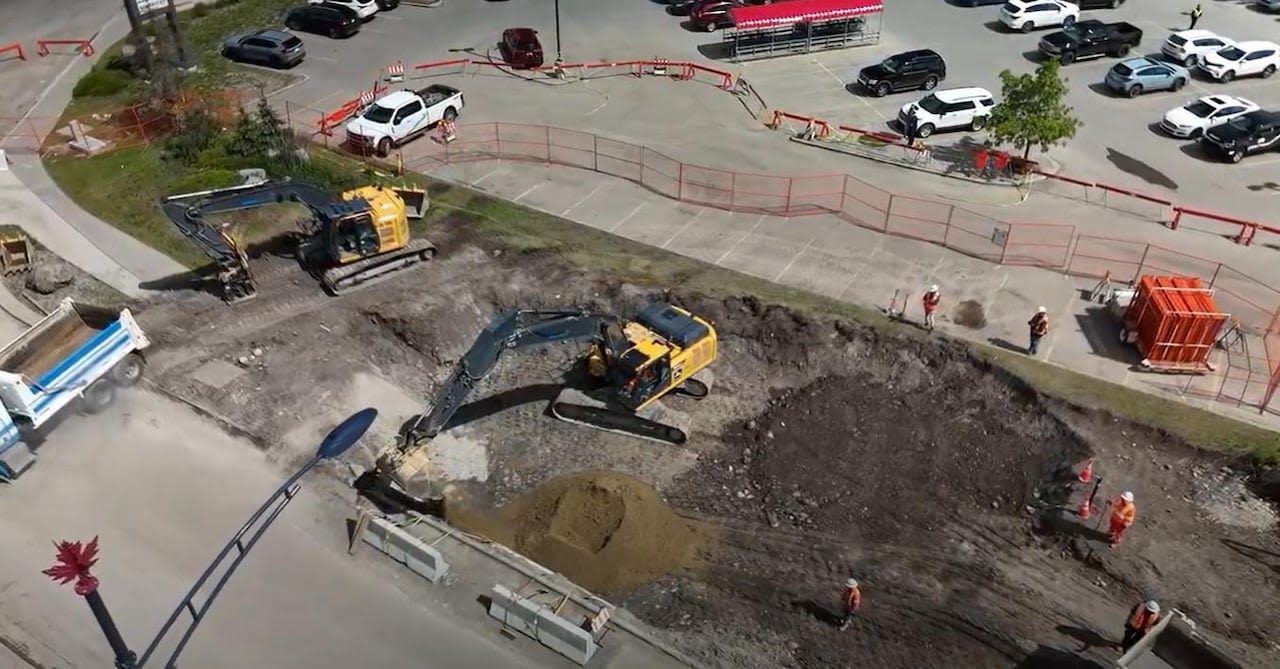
<point>370,271</point>
<point>657,422</point>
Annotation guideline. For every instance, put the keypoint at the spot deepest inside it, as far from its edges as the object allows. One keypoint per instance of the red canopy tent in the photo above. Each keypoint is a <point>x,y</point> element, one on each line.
<point>778,14</point>
<point>787,27</point>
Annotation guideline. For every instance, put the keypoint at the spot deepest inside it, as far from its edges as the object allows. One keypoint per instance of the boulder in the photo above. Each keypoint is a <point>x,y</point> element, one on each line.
<point>48,278</point>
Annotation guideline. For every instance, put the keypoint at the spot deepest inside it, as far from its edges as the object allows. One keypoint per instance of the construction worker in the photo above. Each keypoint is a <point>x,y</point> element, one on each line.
<point>852,601</point>
<point>1122,514</point>
<point>1195,15</point>
<point>1141,619</point>
<point>931,299</point>
<point>1039,325</point>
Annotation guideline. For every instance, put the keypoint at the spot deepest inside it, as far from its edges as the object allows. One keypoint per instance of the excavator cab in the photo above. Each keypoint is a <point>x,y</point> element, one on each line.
<point>353,237</point>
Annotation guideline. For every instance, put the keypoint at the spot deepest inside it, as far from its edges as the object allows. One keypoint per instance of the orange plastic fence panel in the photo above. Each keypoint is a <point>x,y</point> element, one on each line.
<point>15,48</point>
<point>84,46</point>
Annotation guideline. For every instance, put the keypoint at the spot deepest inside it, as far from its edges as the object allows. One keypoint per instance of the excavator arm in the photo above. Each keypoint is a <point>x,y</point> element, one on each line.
<point>513,330</point>
<point>188,213</point>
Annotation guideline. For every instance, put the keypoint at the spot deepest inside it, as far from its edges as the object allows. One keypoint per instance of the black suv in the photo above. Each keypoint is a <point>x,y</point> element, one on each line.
<point>910,70</point>
<point>1254,132</point>
<point>324,19</point>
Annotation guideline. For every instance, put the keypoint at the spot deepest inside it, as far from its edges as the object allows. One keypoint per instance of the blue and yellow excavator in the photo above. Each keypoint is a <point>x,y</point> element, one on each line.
<point>633,364</point>
<point>354,239</point>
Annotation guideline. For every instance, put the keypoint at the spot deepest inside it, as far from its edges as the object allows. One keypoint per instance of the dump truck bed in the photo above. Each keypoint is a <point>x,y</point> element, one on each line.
<point>42,347</point>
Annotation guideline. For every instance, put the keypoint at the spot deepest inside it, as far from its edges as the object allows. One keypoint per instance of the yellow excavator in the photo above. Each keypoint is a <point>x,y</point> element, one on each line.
<point>353,239</point>
<point>633,365</point>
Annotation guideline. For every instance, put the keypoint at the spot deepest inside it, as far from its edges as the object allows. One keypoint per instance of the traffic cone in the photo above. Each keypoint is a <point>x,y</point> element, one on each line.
<point>1084,510</point>
<point>1086,474</point>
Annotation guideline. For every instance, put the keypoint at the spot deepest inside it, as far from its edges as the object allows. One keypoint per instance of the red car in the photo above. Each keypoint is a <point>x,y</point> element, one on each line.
<point>521,48</point>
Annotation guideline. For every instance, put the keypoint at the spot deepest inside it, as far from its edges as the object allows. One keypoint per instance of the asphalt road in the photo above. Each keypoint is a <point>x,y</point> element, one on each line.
<point>164,489</point>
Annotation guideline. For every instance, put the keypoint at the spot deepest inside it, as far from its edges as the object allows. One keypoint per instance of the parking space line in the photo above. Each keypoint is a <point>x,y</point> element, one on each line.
<point>826,69</point>
<point>486,176</point>
<point>628,216</point>
<point>865,263</point>
<point>799,253</point>
<point>317,103</point>
<point>529,190</point>
<point>1065,312</point>
<point>929,277</point>
<point>740,239</point>
<point>684,227</point>
<point>584,199</point>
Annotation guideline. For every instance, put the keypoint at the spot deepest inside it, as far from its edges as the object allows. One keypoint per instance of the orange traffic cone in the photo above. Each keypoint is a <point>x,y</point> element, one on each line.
<point>1084,510</point>
<point>1086,474</point>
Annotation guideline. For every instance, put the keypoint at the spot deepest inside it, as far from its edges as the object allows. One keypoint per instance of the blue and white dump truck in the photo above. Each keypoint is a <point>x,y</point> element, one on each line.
<point>76,356</point>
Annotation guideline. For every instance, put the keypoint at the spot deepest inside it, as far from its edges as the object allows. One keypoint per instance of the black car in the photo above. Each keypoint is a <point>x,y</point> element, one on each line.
<point>1097,4</point>
<point>1255,132</point>
<point>385,5</point>
<point>910,70</point>
<point>273,48</point>
<point>324,19</point>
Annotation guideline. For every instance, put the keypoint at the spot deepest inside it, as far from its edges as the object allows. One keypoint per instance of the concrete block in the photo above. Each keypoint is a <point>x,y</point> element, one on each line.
<point>406,549</point>
<point>541,623</point>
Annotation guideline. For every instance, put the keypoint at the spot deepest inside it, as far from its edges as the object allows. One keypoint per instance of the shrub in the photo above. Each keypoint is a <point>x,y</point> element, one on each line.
<point>205,180</point>
<point>101,83</point>
<point>197,130</point>
<point>201,9</point>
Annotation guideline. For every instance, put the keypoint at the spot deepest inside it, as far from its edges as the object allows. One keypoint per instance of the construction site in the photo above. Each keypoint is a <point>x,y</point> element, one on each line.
<point>825,449</point>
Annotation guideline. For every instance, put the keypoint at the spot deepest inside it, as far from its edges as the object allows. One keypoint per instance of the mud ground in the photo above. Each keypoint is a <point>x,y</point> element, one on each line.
<point>826,450</point>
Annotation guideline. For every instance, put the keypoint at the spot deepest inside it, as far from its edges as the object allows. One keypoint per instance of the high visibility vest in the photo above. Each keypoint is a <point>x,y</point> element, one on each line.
<point>1142,619</point>
<point>852,600</point>
<point>1123,513</point>
<point>931,301</point>
<point>1040,324</point>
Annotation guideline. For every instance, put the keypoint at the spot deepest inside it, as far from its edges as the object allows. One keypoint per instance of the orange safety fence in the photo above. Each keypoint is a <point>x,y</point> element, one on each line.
<point>1152,207</point>
<point>15,48</point>
<point>330,120</point>
<point>83,46</point>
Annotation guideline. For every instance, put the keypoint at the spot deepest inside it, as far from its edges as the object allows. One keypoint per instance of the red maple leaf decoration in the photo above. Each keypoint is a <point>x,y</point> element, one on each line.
<point>74,560</point>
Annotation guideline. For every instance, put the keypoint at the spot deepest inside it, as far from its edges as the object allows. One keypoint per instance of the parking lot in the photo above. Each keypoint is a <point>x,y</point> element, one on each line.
<point>1118,143</point>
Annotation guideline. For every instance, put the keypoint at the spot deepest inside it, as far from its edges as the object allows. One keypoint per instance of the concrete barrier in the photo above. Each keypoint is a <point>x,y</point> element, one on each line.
<point>541,623</point>
<point>406,549</point>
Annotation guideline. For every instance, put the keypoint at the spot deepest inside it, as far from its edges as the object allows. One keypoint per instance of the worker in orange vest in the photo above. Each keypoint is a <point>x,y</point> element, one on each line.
<point>931,300</point>
<point>852,601</point>
<point>1122,514</point>
<point>1039,325</point>
<point>1141,619</point>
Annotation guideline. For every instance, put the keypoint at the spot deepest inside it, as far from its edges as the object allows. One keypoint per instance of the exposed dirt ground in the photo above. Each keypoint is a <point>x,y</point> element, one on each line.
<point>826,450</point>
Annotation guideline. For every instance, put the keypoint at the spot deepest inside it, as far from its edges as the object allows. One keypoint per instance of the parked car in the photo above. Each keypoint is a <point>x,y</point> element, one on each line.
<point>976,3</point>
<point>324,19</point>
<point>1269,5</point>
<point>387,5</point>
<point>1099,4</point>
<point>1027,15</point>
<point>365,9</point>
<point>273,48</point>
<point>401,116</point>
<point>520,47</point>
<point>1091,39</point>
<point>1136,76</point>
<point>908,70</point>
<point>1193,118</point>
<point>951,109</point>
<point>1243,59</point>
<point>714,15</point>
<point>1187,46</point>
<point>1244,135</point>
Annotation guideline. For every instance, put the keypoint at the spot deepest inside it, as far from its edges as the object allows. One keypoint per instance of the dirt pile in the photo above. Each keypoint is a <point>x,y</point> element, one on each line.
<point>606,531</point>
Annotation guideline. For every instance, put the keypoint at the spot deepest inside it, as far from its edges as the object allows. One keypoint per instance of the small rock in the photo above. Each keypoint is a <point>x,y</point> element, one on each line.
<point>243,361</point>
<point>752,424</point>
<point>1035,494</point>
<point>772,518</point>
<point>1031,510</point>
<point>768,435</point>
<point>995,505</point>
<point>1226,614</point>
<point>257,352</point>
<point>1167,466</point>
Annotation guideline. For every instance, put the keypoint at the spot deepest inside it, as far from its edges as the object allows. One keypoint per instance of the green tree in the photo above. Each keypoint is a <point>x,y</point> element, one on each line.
<point>260,134</point>
<point>1033,111</point>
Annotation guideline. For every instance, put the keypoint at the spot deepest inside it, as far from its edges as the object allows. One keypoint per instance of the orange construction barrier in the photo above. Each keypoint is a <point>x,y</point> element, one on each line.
<point>85,47</point>
<point>16,47</point>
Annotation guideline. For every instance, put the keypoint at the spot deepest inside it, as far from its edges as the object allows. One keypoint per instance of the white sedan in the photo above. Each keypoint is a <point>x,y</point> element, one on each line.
<point>365,9</point>
<point>1192,119</point>
<point>1027,15</point>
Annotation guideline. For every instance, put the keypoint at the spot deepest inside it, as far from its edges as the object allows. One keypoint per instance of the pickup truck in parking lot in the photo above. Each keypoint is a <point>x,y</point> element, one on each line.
<point>1091,39</point>
<point>400,116</point>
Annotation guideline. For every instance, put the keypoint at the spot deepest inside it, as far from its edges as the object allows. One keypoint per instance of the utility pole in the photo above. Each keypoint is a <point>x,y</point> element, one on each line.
<point>559,48</point>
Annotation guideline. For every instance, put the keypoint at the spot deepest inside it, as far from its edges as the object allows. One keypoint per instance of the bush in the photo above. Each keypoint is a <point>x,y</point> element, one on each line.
<point>205,180</point>
<point>200,10</point>
<point>197,131</point>
<point>101,83</point>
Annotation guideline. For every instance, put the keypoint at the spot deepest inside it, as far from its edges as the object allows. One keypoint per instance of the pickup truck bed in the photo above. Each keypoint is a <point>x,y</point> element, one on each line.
<point>437,93</point>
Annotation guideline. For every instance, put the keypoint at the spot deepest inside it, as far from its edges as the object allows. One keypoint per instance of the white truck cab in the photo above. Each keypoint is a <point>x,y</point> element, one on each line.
<point>400,116</point>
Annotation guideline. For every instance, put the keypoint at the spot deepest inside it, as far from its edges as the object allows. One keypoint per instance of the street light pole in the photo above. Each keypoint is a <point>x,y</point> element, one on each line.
<point>74,560</point>
<point>559,49</point>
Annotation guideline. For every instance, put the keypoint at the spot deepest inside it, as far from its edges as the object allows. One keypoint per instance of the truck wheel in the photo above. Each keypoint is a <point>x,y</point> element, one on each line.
<point>924,130</point>
<point>450,114</point>
<point>1067,58</point>
<point>1122,51</point>
<point>979,122</point>
<point>128,372</point>
<point>384,147</point>
<point>98,396</point>
<point>1236,156</point>
<point>882,89</point>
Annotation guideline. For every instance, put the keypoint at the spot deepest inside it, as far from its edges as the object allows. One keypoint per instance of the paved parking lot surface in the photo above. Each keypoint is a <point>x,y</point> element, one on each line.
<point>1118,143</point>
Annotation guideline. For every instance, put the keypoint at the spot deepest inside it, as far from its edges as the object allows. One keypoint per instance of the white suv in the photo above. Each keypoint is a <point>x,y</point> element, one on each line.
<point>949,110</point>
<point>365,9</point>
<point>1244,59</point>
<point>1188,46</point>
<point>1027,15</point>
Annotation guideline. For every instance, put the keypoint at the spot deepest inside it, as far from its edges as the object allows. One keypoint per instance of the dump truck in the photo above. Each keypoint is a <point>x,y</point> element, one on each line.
<point>78,356</point>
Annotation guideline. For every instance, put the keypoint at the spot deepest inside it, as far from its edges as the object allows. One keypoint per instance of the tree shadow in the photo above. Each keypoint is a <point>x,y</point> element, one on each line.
<point>1140,168</point>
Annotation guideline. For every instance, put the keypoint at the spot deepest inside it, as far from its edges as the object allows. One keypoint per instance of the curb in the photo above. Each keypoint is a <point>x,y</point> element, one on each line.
<point>842,148</point>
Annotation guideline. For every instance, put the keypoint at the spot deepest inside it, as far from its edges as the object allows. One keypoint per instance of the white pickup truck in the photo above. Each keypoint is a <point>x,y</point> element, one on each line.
<point>400,116</point>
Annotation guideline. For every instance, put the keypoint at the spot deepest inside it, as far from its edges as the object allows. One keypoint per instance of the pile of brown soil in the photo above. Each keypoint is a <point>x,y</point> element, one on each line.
<point>606,531</point>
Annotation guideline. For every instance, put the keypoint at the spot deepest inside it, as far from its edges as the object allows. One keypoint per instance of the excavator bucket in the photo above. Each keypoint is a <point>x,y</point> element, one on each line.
<point>416,201</point>
<point>15,254</point>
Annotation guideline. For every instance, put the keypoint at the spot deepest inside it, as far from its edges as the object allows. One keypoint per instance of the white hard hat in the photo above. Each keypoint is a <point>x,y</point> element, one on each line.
<point>933,288</point>
<point>851,583</point>
<point>1041,310</point>
<point>1153,606</point>
<point>1126,496</point>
